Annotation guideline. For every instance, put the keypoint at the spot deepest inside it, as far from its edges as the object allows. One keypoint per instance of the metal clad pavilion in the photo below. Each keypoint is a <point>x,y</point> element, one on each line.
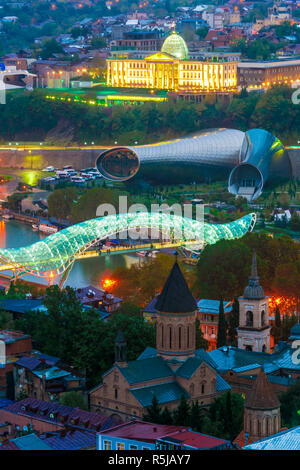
<point>51,257</point>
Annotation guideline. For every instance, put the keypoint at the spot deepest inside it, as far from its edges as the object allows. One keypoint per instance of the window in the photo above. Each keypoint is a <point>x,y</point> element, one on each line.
<point>249,318</point>
<point>120,446</point>
<point>179,337</point>
<point>263,318</point>
<point>116,393</point>
<point>202,388</point>
<point>107,445</point>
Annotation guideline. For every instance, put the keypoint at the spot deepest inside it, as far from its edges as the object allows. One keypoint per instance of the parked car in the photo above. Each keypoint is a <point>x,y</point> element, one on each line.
<point>48,168</point>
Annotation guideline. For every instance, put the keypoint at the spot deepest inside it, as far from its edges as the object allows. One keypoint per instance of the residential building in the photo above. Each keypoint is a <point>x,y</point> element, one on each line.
<point>98,299</point>
<point>13,344</point>
<point>141,435</point>
<point>138,40</point>
<point>51,417</point>
<point>17,307</point>
<point>27,442</point>
<point>264,74</point>
<point>45,378</point>
<point>208,315</point>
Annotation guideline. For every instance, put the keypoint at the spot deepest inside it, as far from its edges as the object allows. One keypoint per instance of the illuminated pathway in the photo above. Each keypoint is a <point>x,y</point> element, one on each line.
<point>53,255</point>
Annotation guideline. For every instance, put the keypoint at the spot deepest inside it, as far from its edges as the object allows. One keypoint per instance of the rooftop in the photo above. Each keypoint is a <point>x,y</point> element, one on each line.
<point>230,358</point>
<point>71,440</point>
<point>164,392</point>
<point>21,305</point>
<point>212,306</point>
<point>196,440</point>
<point>176,296</point>
<point>176,46</point>
<point>12,336</point>
<point>262,395</point>
<point>52,412</point>
<point>142,431</point>
<point>286,440</point>
<point>147,369</point>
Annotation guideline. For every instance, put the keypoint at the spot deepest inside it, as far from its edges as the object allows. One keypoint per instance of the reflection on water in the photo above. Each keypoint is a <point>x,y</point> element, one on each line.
<point>84,272</point>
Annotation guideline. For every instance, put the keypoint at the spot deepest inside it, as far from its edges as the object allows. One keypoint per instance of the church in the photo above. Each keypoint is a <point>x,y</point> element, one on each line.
<point>175,368</point>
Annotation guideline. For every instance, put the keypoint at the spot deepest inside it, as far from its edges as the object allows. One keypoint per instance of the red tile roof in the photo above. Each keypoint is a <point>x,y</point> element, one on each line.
<point>143,431</point>
<point>197,440</point>
<point>262,395</point>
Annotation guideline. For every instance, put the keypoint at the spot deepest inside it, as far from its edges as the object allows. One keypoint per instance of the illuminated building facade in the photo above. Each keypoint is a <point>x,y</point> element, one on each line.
<point>171,69</point>
<point>264,74</point>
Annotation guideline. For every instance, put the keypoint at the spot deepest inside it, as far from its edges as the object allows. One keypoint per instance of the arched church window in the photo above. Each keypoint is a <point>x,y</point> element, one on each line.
<point>170,337</point>
<point>263,318</point>
<point>179,336</point>
<point>258,428</point>
<point>249,318</point>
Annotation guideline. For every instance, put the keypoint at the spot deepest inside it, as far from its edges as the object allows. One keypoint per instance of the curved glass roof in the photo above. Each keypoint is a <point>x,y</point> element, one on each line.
<point>53,255</point>
<point>176,46</point>
<point>212,146</point>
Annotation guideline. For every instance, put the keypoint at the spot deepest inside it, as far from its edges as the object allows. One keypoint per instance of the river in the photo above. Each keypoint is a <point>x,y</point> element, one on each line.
<point>14,234</point>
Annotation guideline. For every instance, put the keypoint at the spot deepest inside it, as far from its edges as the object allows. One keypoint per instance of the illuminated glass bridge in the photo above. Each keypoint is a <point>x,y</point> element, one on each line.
<point>53,255</point>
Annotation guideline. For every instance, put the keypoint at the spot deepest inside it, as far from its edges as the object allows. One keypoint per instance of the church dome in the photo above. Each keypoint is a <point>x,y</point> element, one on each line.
<point>176,46</point>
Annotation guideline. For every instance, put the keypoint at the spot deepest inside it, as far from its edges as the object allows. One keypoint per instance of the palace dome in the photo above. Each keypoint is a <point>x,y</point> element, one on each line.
<point>176,46</point>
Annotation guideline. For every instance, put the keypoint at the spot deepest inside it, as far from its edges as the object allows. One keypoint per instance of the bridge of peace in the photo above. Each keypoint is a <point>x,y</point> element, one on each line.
<point>53,256</point>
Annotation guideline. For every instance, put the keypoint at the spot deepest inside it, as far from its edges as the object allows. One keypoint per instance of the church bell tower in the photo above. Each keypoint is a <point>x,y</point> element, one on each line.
<point>176,318</point>
<point>254,329</point>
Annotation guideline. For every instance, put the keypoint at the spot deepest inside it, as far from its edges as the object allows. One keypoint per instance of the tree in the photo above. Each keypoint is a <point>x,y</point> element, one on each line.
<point>233,322</point>
<point>51,47</point>
<point>202,32</point>
<point>225,416</point>
<point>6,320</point>
<point>276,329</point>
<point>221,339</point>
<point>277,317</point>
<point>196,417</point>
<point>61,201</point>
<point>218,268</point>
<point>73,399</point>
<point>287,280</point>
<point>67,331</point>
<point>295,222</point>
<point>153,412</point>
<point>181,413</point>
<point>290,406</point>
<point>201,342</point>
<point>166,416</point>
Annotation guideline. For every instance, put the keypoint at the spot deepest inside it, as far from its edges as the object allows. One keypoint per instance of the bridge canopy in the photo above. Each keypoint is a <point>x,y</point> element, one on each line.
<point>53,255</point>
